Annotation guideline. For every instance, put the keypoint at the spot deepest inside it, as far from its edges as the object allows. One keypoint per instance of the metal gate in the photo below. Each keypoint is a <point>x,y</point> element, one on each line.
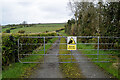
<point>93,48</point>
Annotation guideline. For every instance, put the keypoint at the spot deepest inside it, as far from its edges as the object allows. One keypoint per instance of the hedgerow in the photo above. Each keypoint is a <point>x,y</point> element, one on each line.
<point>10,45</point>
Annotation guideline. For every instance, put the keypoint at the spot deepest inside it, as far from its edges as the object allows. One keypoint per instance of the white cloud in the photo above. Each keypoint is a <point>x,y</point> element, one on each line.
<point>34,11</point>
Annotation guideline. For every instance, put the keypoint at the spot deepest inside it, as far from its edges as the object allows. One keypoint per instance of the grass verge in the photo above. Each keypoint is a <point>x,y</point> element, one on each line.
<point>69,70</point>
<point>20,70</point>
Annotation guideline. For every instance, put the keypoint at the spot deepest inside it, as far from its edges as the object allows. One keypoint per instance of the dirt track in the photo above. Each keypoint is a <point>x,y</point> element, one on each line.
<point>50,69</point>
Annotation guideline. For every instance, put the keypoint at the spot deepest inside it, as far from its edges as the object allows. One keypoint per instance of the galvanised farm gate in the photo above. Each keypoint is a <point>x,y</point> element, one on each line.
<point>84,43</point>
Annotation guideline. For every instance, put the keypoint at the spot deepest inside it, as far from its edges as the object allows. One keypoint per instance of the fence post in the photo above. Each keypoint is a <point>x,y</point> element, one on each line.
<point>44,49</point>
<point>18,49</point>
<point>71,56</point>
<point>98,50</point>
<point>21,46</point>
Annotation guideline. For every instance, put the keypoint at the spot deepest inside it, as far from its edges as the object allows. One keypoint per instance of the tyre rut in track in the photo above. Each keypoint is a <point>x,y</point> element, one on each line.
<point>88,68</point>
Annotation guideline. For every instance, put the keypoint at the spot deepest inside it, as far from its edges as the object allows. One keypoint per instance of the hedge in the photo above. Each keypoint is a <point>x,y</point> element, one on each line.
<point>10,45</point>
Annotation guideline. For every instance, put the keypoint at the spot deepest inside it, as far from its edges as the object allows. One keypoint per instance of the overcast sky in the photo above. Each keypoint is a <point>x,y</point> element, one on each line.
<point>35,11</point>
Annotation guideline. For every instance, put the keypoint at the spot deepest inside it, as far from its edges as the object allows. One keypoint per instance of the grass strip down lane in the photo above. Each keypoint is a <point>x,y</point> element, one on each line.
<point>69,70</point>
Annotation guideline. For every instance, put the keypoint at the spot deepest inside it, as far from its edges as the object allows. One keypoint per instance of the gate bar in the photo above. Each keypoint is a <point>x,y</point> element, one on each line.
<point>66,36</point>
<point>73,62</point>
<point>77,58</point>
<point>67,54</point>
<point>65,43</point>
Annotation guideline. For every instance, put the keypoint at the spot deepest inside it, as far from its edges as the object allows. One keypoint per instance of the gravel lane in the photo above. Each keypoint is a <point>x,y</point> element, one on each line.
<point>50,69</point>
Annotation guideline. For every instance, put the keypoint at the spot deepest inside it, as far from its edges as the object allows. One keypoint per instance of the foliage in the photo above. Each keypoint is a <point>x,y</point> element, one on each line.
<point>18,70</point>
<point>59,29</point>
<point>10,45</point>
<point>8,31</point>
<point>101,19</point>
<point>21,31</point>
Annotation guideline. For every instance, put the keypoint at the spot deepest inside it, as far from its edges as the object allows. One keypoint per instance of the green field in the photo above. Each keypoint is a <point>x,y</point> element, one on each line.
<point>4,29</point>
<point>37,28</point>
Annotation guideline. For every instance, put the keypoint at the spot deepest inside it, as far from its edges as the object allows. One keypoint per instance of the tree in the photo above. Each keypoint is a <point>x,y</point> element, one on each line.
<point>85,16</point>
<point>24,23</point>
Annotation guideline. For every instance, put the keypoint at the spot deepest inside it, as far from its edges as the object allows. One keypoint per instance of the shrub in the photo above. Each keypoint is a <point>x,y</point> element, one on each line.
<point>60,29</point>
<point>10,48</point>
<point>8,31</point>
<point>21,31</point>
<point>46,31</point>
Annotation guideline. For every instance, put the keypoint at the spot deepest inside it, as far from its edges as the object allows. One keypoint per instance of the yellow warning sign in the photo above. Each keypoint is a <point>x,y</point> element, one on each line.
<point>71,43</point>
<point>71,47</point>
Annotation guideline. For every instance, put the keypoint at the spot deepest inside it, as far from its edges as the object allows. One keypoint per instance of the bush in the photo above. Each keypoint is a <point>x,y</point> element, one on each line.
<point>21,31</point>
<point>46,31</point>
<point>10,48</point>
<point>60,29</point>
<point>8,31</point>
